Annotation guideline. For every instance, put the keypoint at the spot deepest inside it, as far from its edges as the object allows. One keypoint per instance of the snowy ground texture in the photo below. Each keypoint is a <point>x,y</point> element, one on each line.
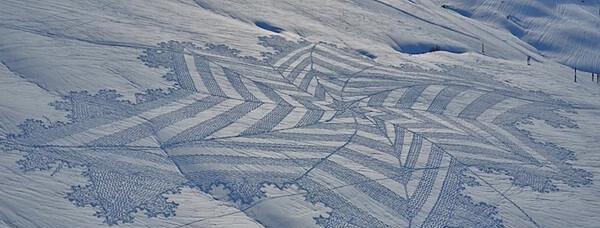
<point>271,113</point>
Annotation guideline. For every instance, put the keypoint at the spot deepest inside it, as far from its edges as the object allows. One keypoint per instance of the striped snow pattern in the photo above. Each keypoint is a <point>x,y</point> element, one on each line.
<point>386,146</point>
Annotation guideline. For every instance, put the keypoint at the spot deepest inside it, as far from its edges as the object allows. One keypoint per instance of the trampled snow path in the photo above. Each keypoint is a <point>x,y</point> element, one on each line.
<point>376,145</point>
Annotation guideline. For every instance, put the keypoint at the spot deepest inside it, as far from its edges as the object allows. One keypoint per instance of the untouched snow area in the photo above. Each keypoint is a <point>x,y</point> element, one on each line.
<point>565,30</point>
<point>272,113</point>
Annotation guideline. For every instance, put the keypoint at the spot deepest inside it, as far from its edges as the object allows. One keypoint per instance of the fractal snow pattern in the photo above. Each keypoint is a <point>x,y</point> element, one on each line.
<point>380,146</point>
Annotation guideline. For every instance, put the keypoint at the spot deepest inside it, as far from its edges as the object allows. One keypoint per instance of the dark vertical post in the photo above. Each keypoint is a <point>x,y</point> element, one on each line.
<point>575,74</point>
<point>482,48</point>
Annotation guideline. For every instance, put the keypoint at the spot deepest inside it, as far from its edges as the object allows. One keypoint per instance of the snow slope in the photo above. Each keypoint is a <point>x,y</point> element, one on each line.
<point>381,113</point>
<point>563,30</point>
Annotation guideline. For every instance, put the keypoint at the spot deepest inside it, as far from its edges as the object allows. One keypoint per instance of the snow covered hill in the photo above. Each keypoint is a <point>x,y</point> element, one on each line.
<point>270,113</point>
<point>564,30</point>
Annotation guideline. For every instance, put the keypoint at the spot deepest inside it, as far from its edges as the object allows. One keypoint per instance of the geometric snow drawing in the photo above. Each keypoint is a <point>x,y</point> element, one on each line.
<point>380,146</point>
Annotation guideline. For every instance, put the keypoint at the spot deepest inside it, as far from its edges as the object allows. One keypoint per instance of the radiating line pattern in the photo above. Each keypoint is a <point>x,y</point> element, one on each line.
<point>381,146</point>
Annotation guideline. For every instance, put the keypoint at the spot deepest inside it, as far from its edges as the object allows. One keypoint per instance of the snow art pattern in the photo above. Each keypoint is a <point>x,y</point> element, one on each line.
<point>380,146</point>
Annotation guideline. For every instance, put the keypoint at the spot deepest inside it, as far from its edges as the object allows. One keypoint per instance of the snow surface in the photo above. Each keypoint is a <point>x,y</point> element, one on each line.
<point>564,30</point>
<point>271,113</point>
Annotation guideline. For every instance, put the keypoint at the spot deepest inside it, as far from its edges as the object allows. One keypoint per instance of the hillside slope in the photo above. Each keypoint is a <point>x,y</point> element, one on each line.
<point>383,113</point>
<point>563,30</point>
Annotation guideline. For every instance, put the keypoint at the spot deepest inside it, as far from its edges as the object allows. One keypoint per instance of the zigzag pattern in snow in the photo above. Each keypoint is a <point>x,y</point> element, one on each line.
<point>381,146</point>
